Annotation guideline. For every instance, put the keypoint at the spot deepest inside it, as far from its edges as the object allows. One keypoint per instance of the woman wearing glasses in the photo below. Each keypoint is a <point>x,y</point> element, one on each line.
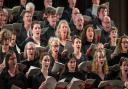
<point>11,75</point>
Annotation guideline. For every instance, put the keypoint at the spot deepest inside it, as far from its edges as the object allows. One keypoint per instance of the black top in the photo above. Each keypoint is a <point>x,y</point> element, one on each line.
<point>30,39</point>
<point>61,48</point>
<point>67,14</point>
<point>81,59</point>
<point>49,33</point>
<point>76,31</point>
<point>69,75</point>
<point>104,36</point>
<point>21,36</point>
<point>34,62</point>
<point>116,59</point>
<point>6,81</point>
<point>85,46</point>
<point>38,79</point>
<point>2,56</point>
<point>108,46</point>
<point>52,61</point>
<point>91,75</point>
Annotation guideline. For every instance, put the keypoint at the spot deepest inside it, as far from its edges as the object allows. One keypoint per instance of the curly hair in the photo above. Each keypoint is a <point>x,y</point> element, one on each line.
<point>83,34</point>
<point>57,33</point>
<point>119,43</point>
<point>95,64</point>
<point>4,34</point>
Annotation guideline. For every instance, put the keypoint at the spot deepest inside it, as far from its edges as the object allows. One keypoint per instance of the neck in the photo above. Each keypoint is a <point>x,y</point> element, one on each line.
<point>100,69</point>
<point>124,51</point>
<point>53,26</point>
<point>72,71</point>
<point>63,42</point>
<point>89,40</point>
<point>113,42</point>
<point>77,52</point>
<point>37,39</point>
<point>30,58</point>
<point>12,69</point>
<point>71,6</point>
<point>44,70</point>
<point>124,77</point>
<point>63,39</point>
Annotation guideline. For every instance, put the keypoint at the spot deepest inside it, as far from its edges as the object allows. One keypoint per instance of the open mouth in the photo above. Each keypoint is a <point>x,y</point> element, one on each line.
<point>114,36</point>
<point>80,25</point>
<point>101,62</point>
<point>56,51</point>
<point>72,68</point>
<point>90,36</point>
<point>126,46</point>
<point>78,47</point>
<point>31,54</point>
<point>54,21</point>
<point>46,65</point>
<point>37,33</point>
<point>6,44</point>
<point>126,70</point>
<point>14,63</point>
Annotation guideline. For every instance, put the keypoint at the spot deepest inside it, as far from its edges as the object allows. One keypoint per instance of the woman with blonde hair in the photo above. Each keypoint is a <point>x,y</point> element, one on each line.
<point>99,64</point>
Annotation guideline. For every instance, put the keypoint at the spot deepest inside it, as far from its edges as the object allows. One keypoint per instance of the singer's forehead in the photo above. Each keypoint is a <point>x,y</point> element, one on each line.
<point>125,62</point>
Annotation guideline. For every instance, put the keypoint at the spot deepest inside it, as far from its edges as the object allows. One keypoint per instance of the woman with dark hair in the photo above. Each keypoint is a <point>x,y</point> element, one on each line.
<point>121,50</point>
<point>11,75</point>
<point>87,38</point>
<point>120,72</point>
<point>39,79</point>
<point>76,42</point>
<point>71,70</point>
<point>112,39</point>
<point>36,36</point>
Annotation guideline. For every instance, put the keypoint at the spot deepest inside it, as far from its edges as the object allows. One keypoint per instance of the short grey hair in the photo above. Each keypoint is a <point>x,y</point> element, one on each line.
<point>53,39</point>
<point>30,5</point>
<point>34,47</point>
